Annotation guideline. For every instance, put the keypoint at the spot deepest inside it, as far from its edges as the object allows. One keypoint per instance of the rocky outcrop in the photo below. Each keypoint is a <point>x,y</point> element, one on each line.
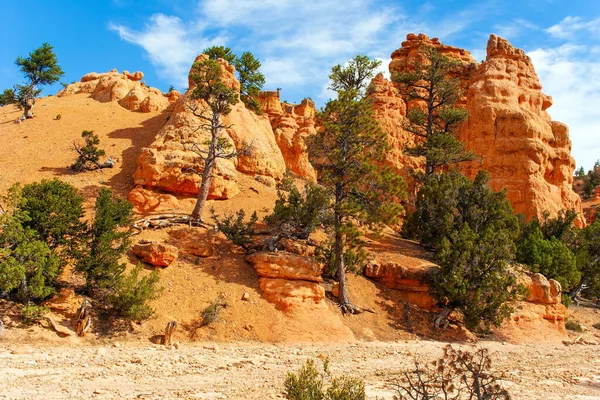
<point>289,280</point>
<point>285,265</point>
<point>155,253</point>
<point>289,294</point>
<point>292,124</point>
<point>540,289</point>
<point>525,151</point>
<point>509,127</point>
<point>148,201</point>
<point>171,165</point>
<point>411,282</point>
<point>127,89</point>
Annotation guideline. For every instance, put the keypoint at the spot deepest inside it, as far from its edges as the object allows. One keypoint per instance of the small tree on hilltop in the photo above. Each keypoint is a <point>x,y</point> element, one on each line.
<point>40,68</point>
<point>248,72</point>
<point>219,98</point>
<point>216,52</point>
<point>433,116</point>
<point>346,150</point>
<point>251,80</point>
<point>472,230</point>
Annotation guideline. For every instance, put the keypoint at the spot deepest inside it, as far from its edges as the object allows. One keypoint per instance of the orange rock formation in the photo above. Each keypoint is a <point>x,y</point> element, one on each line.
<point>524,150</point>
<point>169,163</point>
<point>126,88</point>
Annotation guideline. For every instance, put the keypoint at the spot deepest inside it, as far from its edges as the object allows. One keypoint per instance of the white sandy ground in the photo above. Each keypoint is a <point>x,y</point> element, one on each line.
<point>246,371</point>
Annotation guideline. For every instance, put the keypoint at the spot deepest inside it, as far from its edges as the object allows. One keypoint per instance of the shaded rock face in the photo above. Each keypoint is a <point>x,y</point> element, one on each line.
<point>169,164</point>
<point>289,280</point>
<point>126,88</point>
<point>411,282</point>
<point>291,125</point>
<point>155,253</point>
<point>523,149</point>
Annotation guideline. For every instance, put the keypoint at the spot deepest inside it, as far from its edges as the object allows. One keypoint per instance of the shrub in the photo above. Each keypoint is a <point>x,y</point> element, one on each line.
<point>457,375</point>
<point>235,228</point>
<point>106,242</point>
<point>32,313</point>
<point>132,294</point>
<point>573,326</point>
<point>472,230</point>
<point>309,384</point>
<point>29,268</point>
<point>298,213</point>
<point>550,257</point>
<point>89,155</point>
<point>54,210</point>
<point>212,311</point>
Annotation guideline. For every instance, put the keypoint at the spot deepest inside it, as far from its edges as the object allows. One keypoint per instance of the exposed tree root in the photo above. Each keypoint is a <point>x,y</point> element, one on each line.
<point>349,308</point>
<point>441,320</point>
<point>166,221</point>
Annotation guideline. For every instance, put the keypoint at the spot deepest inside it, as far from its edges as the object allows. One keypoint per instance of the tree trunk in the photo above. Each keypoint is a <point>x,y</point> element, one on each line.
<point>203,193</point>
<point>339,263</point>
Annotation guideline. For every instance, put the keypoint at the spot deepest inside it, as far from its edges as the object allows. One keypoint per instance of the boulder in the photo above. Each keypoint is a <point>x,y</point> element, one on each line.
<point>126,89</point>
<point>148,201</point>
<point>155,253</point>
<point>411,282</point>
<point>540,289</point>
<point>283,265</point>
<point>289,294</point>
<point>65,302</point>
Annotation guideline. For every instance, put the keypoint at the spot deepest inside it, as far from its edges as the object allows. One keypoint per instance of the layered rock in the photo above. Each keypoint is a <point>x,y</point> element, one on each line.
<point>171,165</point>
<point>127,89</point>
<point>289,280</point>
<point>291,124</point>
<point>523,149</point>
<point>411,282</point>
<point>155,253</point>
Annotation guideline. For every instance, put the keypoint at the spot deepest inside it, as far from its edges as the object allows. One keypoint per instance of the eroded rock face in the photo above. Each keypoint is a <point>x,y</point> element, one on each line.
<point>292,124</point>
<point>288,294</point>
<point>283,265</point>
<point>411,282</point>
<point>155,253</point>
<point>289,280</point>
<point>171,165</point>
<point>126,88</point>
<point>148,201</point>
<point>540,289</point>
<point>523,149</point>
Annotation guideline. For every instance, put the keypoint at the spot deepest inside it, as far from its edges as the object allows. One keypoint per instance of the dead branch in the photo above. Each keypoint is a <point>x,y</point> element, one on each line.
<point>165,221</point>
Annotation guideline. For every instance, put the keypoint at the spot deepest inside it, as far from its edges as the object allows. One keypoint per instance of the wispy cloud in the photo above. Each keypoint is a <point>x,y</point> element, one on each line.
<point>297,41</point>
<point>565,73</point>
<point>569,26</point>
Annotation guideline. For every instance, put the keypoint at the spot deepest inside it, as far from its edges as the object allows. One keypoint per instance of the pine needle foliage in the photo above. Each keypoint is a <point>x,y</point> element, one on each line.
<point>433,116</point>
<point>472,230</point>
<point>89,155</point>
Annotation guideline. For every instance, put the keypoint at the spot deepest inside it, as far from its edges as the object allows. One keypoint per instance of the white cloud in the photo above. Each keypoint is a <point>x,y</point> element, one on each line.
<point>515,28</point>
<point>571,25</point>
<point>568,75</point>
<point>297,41</point>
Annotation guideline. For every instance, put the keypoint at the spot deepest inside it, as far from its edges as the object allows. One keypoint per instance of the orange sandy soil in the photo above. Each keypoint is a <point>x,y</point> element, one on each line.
<point>35,361</point>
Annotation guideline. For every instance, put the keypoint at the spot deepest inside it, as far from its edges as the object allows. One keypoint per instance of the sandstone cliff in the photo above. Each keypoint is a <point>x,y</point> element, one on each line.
<point>523,149</point>
<point>168,162</point>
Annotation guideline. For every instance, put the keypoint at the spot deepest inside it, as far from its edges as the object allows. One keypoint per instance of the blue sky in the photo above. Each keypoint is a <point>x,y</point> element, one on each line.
<point>298,41</point>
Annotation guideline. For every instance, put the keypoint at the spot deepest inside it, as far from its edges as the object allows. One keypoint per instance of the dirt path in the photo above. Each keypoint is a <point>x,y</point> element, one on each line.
<point>243,371</point>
